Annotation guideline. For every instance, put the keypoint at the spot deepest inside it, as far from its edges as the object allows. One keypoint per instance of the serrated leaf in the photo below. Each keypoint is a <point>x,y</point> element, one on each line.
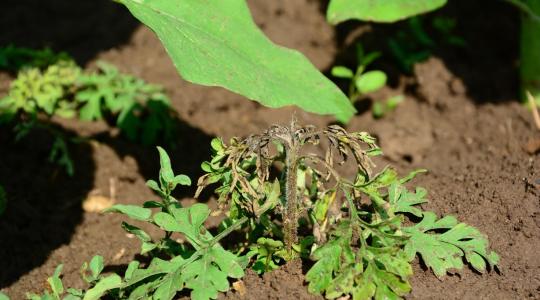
<point>328,261</point>
<point>218,44</point>
<point>378,10</point>
<point>132,211</point>
<point>104,285</point>
<point>401,200</point>
<point>370,81</point>
<point>208,275</point>
<point>444,251</point>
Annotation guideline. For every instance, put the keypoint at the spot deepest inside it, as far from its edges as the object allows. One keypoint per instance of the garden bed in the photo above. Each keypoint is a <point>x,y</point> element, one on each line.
<point>460,120</point>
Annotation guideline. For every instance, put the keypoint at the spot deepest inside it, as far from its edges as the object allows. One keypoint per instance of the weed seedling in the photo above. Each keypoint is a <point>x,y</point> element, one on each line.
<point>363,82</point>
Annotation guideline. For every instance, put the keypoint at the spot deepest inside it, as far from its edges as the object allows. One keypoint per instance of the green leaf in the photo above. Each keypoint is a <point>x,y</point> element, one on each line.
<point>444,251</point>
<point>132,211</point>
<point>166,173</point>
<point>328,261</point>
<point>370,81</point>
<point>141,234</point>
<point>3,296</point>
<point>404,201</point>
<point>153,185</point>
<point>167,222</point>
<point>378,10</point>
<point>208,275</point>
<point>96,266</point>
<point>182,180</point>
<point>342,72</point>
<point>217,43</point>
<point>104,285</point>
<point>56,283</point>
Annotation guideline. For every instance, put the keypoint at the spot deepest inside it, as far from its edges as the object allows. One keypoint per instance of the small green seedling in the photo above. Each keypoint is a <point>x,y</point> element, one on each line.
<point>363,82</point>
<point>91,273</point>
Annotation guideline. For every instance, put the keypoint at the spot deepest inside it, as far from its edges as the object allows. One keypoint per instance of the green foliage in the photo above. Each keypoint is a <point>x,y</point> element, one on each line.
<point>203,268</point>
<point>363,82</point>
<point>98,284</point>
<point>362,233</point>
<point>445,251</point>
<point>142,111</point>
<point>14,58</point>
<point>210,47</point>
<point>3,200</point>
<point>359,239</point>
<point>413,44</point>
<point>35,91</point>
<point>378,10</point>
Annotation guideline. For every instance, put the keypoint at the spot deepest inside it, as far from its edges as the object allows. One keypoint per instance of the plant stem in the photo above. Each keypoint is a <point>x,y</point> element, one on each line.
<point>290,217</point>
<point>530,50</point>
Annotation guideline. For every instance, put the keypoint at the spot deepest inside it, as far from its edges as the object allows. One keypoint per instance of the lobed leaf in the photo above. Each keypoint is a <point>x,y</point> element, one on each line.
<point>444,251</point>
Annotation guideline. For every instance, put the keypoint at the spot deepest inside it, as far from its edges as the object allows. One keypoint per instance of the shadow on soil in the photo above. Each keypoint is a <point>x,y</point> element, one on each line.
<point>44,205</point>
<point>489,28</point>
<point>81,28</point>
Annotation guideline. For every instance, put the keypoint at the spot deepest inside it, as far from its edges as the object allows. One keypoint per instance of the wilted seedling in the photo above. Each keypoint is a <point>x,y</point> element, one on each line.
<point>353,228</point>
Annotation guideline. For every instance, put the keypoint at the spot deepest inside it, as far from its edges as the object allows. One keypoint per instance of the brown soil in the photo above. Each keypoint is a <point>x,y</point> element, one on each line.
<point>460,121</point>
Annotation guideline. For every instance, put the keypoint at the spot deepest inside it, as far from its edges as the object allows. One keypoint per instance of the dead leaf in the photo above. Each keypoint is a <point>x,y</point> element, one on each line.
<point>239,287</point>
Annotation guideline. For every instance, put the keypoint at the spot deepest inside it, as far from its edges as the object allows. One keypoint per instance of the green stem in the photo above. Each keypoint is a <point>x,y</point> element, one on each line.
<point>530,48</point>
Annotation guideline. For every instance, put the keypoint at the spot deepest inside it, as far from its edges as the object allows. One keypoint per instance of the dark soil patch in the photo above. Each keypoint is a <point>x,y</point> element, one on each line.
<point>460,121</point>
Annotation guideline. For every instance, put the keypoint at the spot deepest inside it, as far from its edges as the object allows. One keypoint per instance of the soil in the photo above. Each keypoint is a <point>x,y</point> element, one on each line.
<point>460,120</point>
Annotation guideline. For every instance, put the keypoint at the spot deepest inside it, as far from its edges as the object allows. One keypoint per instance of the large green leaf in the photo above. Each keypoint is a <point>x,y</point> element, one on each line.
<point>216,43</point>
<point>378,10</point>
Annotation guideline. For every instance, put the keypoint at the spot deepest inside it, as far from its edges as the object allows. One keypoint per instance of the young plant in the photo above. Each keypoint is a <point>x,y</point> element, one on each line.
<point>201,265</point>
<point>357,236</point>
<point>91,274</point>
<point>363,82</point>
<point>64,90</point>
